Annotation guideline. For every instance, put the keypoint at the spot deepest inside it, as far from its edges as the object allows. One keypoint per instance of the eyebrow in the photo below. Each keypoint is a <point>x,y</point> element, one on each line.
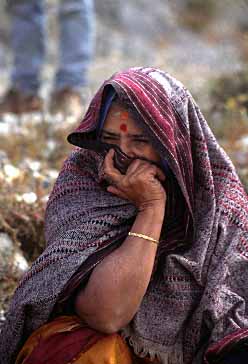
<point>109,133</point>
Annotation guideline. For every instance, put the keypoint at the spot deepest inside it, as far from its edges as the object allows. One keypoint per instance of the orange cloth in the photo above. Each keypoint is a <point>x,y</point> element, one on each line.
<point>67,340</point>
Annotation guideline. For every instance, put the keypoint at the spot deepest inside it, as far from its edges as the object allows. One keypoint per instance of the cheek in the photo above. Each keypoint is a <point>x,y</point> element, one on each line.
<point>144,150</point>
<point>151,154</point>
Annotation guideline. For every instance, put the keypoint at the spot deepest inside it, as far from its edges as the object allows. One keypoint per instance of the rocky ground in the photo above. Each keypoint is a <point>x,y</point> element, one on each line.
<point>205,48</point>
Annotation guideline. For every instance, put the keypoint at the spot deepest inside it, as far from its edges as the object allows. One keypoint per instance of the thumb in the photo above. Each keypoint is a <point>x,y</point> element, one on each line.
<point>110,171</point>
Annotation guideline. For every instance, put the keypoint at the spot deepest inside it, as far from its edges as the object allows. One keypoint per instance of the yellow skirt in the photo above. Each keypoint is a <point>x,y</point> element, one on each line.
<point>66,340</point>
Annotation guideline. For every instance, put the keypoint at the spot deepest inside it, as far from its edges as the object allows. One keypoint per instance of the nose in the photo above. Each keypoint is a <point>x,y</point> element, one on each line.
<point>126,147</point>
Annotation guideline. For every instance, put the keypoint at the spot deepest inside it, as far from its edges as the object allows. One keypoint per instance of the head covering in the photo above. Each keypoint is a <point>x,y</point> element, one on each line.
<point>111,95</point>
<point>198,291</point>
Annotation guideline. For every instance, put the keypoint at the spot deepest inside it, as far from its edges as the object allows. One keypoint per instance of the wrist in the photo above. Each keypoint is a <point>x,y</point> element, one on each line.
<point>154,206</point>
<point>155,212</point>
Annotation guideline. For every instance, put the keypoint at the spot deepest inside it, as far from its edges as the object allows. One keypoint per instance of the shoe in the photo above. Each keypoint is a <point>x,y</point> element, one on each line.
<point>68,102</point>
<point>15,102</point>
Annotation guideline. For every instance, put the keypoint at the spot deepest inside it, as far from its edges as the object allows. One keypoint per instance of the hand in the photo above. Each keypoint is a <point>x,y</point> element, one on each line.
<point>141,184</point>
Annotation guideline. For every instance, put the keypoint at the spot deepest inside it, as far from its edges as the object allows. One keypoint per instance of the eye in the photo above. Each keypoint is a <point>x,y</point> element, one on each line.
<point>109,138</point>
<point>140,141</point>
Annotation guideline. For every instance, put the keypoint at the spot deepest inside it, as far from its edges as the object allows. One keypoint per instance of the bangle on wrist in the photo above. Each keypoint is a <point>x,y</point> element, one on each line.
<point>145,237</point>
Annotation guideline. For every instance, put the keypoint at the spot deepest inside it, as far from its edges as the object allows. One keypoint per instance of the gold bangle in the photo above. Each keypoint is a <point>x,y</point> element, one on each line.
<point>144,237</point>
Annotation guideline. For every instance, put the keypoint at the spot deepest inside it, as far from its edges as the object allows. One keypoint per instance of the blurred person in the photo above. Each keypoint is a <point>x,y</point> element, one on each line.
<point>147,235</point>
<point>28,43</point>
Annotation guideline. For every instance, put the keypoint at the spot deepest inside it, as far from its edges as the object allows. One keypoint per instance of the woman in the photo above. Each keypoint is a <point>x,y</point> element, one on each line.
<point>146,229</point>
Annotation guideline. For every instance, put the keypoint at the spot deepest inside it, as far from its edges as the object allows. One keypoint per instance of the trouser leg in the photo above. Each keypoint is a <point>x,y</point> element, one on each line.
<point>76,25</point>
<point>27,40</point>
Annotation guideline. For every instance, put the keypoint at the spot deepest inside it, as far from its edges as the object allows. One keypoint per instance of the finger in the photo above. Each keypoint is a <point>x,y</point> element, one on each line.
<point>108,158</point>
<point>143,168</point>
<point>146,171</point>
<point>109,169</point>
<point>137,164</point>
<point>160,174</point>
<point>116,192</point>
<point>152,169</point>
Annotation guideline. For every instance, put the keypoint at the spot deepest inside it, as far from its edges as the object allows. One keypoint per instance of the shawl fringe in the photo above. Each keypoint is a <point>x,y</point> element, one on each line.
<point>143,348</point>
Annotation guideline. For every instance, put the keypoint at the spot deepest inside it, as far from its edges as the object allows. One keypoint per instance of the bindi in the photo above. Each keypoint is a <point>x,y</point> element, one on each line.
<point>123,127</point>
<point>123,115</point>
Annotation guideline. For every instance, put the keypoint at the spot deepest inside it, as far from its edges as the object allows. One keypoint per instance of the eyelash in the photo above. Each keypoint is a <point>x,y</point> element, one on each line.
<point>140,141</point>
<point>133,140</point>
<point>109,138</point>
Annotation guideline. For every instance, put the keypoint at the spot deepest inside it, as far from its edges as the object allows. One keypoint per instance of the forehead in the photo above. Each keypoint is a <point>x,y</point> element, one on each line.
<point>117,116</point>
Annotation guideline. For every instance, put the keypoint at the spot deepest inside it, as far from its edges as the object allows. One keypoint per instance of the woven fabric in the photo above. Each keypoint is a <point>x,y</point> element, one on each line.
<point>198,291</point>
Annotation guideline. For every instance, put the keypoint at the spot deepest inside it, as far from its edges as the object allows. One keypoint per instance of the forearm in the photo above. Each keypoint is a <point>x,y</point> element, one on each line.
<point>118,284</point>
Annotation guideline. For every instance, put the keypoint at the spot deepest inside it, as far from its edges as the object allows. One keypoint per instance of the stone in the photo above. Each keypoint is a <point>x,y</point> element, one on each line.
<point>12,262</point>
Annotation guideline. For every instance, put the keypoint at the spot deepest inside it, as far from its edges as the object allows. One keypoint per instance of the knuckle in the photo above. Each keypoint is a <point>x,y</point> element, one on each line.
<point>140,163</point>
<point>106,172</point>
<point>151,167</point>
<point>125,182</point>
<point>139,177</point>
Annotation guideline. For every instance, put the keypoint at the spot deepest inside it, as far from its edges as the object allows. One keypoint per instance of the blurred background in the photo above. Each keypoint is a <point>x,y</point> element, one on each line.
<point>203,43</point>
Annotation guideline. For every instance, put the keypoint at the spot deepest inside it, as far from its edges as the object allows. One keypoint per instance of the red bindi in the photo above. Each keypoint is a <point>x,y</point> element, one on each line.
<point>123,127</point>
<point>124,115</point>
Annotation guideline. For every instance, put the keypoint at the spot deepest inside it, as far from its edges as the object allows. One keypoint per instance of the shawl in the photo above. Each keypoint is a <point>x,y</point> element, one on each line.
<point>198,292</point>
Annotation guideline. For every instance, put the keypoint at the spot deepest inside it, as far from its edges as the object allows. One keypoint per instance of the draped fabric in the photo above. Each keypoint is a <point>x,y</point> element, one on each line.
<point>59,342</point>
<point>67,339</point>
<point>198,292</point>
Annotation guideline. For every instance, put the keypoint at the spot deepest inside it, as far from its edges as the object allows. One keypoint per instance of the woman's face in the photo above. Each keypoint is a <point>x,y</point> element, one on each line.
<point>120,129</point>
